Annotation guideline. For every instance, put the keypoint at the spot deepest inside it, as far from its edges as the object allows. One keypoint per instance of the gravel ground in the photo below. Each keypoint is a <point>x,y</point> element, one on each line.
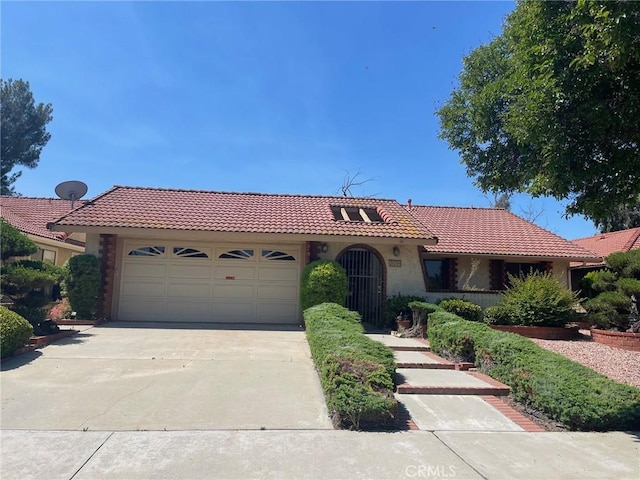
<point>616,363</point>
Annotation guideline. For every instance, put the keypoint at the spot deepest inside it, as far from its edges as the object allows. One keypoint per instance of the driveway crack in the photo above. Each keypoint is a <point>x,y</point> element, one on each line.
<point>435,434</point>
<point>118,400</point>
<point>91,456</point>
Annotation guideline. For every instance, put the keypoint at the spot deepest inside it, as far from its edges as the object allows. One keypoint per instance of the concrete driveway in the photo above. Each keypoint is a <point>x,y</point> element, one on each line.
<point>124,376</point>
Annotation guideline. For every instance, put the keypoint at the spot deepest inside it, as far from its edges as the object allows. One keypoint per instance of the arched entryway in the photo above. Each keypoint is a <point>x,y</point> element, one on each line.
<point>366,274</point>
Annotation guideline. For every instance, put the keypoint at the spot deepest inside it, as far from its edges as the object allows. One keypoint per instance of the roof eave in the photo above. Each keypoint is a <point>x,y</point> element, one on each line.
<point>516,255</point>
<point>213,234</point>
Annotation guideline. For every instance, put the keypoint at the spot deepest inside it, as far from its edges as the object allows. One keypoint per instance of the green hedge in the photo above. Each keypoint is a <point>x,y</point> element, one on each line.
<point>82,284</point>
<point>323,281</point>
<point>14,331</point>
<point>356,372</point>
<point>566,391</point>
<point>466,309</point>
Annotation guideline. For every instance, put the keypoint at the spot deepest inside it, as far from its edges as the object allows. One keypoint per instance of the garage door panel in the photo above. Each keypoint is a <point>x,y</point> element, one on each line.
<point>144,269</point>
<point>145,288</point>
<point>277,292</point>
<point>190,271</point>
<point>233,312</point>
<point>278,274</point>
<point>234,290</point>
<point>189,289</point>
<point>189,310</point>
<point>223,272</point>
<point>142,309</point>
<point>277,312</point>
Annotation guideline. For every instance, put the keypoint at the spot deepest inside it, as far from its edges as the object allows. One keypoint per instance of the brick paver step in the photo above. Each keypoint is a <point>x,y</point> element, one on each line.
<point>447,382</point>
<point>421,359</point>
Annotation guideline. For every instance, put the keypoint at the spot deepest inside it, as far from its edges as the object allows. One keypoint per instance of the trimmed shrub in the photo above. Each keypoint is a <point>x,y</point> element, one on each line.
<point>398,306</point>
<point>618,303</point>
<point>597,281</point>
<point>629,287</point>
<point>424,308</point>
<point>539,299</point>
<point>14,243</point>
<point>465,309</point>
<point>496,315</point>
<point>625,264</point>
<point>82,284</point>
<point>14,331</point>
<point>323,281</point>
<point>22,277</point>
<point>356,372</point>
<point>609,309</point>
<point>562,389</point>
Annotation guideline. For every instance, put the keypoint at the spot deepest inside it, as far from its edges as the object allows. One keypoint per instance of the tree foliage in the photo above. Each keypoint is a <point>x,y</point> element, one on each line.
<point>14,243</point>
<point>82,284</point>
<point>551,106</point>
<point>23,126</point>
<point>620,218</point>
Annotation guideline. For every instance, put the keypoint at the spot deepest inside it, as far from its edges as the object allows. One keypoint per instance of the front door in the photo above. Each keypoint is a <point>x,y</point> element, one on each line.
<point>365,273</point>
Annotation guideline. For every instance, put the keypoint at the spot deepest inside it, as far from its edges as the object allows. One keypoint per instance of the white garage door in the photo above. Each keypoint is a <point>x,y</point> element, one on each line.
<point>183,282</point>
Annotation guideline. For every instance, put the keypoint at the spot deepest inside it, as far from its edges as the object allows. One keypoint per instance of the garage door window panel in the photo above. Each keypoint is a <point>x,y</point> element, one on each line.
<point>189,252</point>
<point>277,256</point>
<point>237,254</point>
<point>147,251</point>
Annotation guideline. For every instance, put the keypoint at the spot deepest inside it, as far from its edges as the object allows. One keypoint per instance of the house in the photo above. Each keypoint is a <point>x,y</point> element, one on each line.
<point>31,215</point>
<point>479,248</point>
<point>602,245</point>
<point>202,256</point>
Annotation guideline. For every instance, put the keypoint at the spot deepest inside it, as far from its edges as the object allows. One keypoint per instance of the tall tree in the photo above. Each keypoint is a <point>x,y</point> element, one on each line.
<point>620,218</point>
<point>23,130</point>
<point>552,105</point>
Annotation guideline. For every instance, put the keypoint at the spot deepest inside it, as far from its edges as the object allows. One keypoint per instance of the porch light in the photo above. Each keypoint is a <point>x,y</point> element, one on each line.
<point>396,251</point>
<point>324,248</point>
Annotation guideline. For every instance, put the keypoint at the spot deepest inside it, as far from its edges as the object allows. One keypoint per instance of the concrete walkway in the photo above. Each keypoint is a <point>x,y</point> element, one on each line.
<point>456,436</point>
<point>317,455</point>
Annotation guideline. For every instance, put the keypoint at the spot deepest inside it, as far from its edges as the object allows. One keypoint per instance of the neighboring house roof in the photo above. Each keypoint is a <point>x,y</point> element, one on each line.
<point>604,244</point>
<point>195,210</point>
<point>493,231</point>
<point>31,215</point>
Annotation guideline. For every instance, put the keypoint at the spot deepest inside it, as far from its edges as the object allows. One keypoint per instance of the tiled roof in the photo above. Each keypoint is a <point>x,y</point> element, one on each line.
<point>492,231</point>
<point>605,243</point>
<point>173,209</point>
<point>31,215</point>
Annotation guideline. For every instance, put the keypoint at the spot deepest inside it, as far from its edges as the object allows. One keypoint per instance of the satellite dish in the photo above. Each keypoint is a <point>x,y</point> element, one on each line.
<point>71,190</point>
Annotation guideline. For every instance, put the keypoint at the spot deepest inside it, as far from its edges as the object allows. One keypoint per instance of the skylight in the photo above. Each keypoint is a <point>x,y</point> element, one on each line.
<point>356,214</point>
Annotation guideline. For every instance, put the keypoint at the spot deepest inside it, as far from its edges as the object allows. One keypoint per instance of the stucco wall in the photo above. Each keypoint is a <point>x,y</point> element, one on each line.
<point>474,278</point>
<point>92,245</point>
<point>405,278</point>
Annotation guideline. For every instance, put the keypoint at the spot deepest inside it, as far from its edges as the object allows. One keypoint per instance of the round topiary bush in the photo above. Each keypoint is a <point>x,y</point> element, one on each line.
<point>463,308</point>
<point>14,331</point>
<point>323,281</point>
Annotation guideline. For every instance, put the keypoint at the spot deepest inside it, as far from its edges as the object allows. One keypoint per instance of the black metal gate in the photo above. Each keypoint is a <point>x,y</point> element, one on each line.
<point>366,283</point>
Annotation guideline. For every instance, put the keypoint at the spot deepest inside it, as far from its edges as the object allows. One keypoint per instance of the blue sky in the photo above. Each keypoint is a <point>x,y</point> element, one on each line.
<point>254,97</point>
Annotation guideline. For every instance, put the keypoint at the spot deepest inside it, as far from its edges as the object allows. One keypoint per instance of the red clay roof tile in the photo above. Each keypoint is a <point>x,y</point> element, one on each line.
<point>492,231</point>
<point>604,244</point>
<point>175,209</point>
<point>31,215</point>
